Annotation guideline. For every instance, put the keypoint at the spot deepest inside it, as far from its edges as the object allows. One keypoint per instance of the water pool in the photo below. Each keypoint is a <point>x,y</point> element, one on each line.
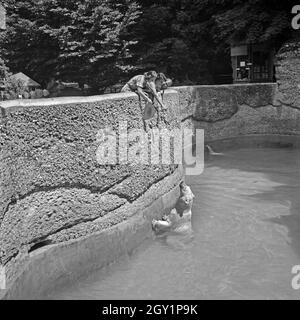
<point>246,221</point>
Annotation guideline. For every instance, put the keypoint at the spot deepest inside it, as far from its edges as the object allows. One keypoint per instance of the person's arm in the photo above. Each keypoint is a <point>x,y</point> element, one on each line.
<point>152,88</point>
<point>140,80</point>
<point>143,94</point>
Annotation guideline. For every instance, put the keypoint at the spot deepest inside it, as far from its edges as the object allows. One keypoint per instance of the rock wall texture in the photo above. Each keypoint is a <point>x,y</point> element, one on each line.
<point>53,189</point>
<point>288,74</point>
<point>230,111</point>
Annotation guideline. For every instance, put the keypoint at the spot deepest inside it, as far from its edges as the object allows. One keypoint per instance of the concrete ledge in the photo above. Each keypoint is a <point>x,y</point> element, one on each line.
<point>13,105</point>
<point>216,86</point>
<point>63,100</point>
<point>86,99</point>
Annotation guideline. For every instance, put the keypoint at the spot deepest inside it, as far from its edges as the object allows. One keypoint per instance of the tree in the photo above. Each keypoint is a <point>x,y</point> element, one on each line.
<point>173,38</point>
<point>254,21</point>
<point>74,40</point>
<point>11,88</point>
<point>188,38</point>
<point>4,74</point>
<point>99,42</point>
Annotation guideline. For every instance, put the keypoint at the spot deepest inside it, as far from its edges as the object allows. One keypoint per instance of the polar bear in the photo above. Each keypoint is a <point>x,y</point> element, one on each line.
<point>179,221</point>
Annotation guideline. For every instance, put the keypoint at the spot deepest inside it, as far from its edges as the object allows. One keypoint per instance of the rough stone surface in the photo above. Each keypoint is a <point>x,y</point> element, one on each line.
<point>124,212</point>
<point>215,103</point>
<point>255,95</point>
<point>38,216</point>
<point>235,110</point>
<point>6,163</point>
<point>61,264</point>
<point>51,180</point>
<point>288,74</point>
<point>265,120</point>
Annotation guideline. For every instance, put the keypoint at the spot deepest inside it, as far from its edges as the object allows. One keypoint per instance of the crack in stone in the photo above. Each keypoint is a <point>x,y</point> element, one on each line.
<point>290,106</point>
<point>121,196</point>
<point>71,225</point>
<point>93,190</point>
<point>46,236</point>
<point>187,118</point>
<point>83,220</point>
<point>130,200</point>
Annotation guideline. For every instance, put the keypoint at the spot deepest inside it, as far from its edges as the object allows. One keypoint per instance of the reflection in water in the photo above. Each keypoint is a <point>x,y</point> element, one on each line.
<point>246,221</point>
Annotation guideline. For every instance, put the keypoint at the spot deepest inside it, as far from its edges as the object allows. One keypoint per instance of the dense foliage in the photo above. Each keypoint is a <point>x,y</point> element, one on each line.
<point>191,38</point>
<point>82,41</point>
<point>10,88</point>
<point>102,42</point>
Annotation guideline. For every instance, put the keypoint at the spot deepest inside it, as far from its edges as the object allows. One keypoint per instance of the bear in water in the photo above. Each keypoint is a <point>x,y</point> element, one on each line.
<point>179,221</point>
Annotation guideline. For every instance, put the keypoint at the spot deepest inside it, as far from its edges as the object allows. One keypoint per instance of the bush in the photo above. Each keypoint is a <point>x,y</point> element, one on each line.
<point>11,88</point>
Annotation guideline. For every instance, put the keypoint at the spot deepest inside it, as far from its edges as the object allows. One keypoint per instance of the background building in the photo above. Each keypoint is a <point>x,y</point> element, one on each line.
<point>253,63</point>
<point>28,82</point>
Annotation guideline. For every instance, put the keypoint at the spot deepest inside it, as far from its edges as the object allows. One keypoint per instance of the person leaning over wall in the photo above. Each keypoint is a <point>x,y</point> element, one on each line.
<point>144,85</point>
<point>140,83</point>
<point>161,84</point>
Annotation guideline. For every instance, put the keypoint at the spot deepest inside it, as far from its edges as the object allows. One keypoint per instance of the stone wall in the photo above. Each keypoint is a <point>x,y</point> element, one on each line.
<point>53,190</point>
<point>288,74</point>
<point>230,111</point>
<point>55,193</point>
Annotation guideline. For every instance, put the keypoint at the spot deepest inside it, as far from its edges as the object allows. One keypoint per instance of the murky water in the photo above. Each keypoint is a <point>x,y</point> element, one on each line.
<point>246,219</point>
